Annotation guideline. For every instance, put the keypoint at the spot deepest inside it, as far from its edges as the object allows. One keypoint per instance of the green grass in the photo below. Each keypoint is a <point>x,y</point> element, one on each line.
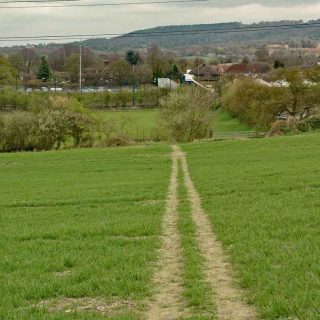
<point>94,213</point>
<point>86,224</point>
<point>198,294</point>
<point>141,124</point>
<point>222,121</point>
<point>263,199</point>
<point>137,124</point>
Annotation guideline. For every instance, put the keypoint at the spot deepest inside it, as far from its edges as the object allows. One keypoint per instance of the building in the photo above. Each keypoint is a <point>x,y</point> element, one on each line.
<point>246,69</point>
<point>205,72</point>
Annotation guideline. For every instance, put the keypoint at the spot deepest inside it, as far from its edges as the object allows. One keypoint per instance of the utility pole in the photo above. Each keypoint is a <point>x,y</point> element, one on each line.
<point>80,69</point>
<point>133,88</point>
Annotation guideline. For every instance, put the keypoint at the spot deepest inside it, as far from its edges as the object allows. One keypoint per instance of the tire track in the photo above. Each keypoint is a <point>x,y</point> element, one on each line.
<point>229,299</point>
<point>168,303</point>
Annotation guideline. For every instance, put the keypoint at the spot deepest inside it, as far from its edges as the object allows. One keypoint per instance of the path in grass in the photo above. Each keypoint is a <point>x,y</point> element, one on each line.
<point>229,299</point>
<point>168,302</point>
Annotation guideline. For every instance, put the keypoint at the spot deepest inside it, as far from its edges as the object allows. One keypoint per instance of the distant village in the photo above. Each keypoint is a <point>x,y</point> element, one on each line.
<point>95,70</point>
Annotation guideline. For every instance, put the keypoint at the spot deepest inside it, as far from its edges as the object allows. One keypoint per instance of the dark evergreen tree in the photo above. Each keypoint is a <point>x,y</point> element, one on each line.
<point>44,72</point>
<point>174,73</point>
<point>133,58</point>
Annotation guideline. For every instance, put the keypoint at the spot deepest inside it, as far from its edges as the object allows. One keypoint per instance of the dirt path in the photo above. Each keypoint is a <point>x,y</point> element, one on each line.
<point>168,302</point>
<point>229,299</point>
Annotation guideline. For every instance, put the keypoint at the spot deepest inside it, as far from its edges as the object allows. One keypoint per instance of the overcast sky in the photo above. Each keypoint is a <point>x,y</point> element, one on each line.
<point>122,19</point>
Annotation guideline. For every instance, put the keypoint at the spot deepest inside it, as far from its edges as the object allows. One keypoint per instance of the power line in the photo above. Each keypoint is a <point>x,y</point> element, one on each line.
<point>100,4</point>
<point>164,33</point>
<point>35,1</point>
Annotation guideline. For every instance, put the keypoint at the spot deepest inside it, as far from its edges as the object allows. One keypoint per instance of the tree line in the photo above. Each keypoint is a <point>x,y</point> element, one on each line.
<point>291,104</point>
<point>61,67</point>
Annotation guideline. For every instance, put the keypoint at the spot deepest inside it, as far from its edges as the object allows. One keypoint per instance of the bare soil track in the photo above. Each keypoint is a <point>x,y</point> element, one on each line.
<point>168,301</point>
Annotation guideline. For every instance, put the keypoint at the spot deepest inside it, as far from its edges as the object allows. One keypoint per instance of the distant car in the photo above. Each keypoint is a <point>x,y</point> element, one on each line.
<point>56,89</point>
<point>44,89</point>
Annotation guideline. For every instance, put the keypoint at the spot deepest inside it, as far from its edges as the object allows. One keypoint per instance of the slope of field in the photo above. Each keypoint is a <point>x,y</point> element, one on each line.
<point>263,200</point>
<point>79,231</point>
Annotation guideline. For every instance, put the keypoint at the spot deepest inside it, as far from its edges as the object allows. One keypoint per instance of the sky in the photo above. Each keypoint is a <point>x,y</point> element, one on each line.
<point>123,19</point>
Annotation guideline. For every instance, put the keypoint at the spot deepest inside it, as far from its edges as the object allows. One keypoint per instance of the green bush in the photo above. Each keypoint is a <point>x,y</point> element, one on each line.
<point>19,132</point>
<point>13,99</point>
<point>81,127</point>
<point>254,104</point>
<point>185,113</point>
<point>2,131</point>
<point>64,118</point>
<point>313,122</point>
<point>60,120</point>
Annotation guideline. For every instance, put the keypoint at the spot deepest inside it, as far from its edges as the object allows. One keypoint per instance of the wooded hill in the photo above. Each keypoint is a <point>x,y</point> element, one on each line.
<point>174,37</point>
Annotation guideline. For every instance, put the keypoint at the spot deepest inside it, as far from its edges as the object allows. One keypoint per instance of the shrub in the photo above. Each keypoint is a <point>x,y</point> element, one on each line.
<point>284,127</point>
<point>313,122</point>
<point>13,99</point>
<point>53,127</point>
<point>65,117</point>
<point>117,142</point>
<point>2,131</point>
<point>20,132</point>
<point>185,113</point>
<point>254,104</point>
<point>81,127</point>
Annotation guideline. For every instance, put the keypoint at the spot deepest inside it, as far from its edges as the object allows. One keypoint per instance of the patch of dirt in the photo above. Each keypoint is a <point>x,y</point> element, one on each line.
<point>98,305</point>
<point>168,303</point>
<point>63,274</point>
<point>229,299</point>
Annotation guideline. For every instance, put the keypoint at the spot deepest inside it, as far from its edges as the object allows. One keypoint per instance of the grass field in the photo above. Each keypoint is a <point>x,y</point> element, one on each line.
<point>224,122</point>
<point>137,124</point>
<point>140,124</point>
<point>80,229</point>
<point>79,224</point>
<point>263,198</point>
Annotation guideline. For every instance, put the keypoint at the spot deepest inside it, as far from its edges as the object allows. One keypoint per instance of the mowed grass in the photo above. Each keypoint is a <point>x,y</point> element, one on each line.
<point>263,199</point>
<point>79,224</point>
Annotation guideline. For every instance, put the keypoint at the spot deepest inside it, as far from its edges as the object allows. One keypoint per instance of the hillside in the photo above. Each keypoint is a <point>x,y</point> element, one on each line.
<point>180,36</point>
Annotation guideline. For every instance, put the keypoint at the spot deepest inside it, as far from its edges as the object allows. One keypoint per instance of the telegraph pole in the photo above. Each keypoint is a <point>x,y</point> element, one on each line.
<point>80,69</point>
<point>133,98</point>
